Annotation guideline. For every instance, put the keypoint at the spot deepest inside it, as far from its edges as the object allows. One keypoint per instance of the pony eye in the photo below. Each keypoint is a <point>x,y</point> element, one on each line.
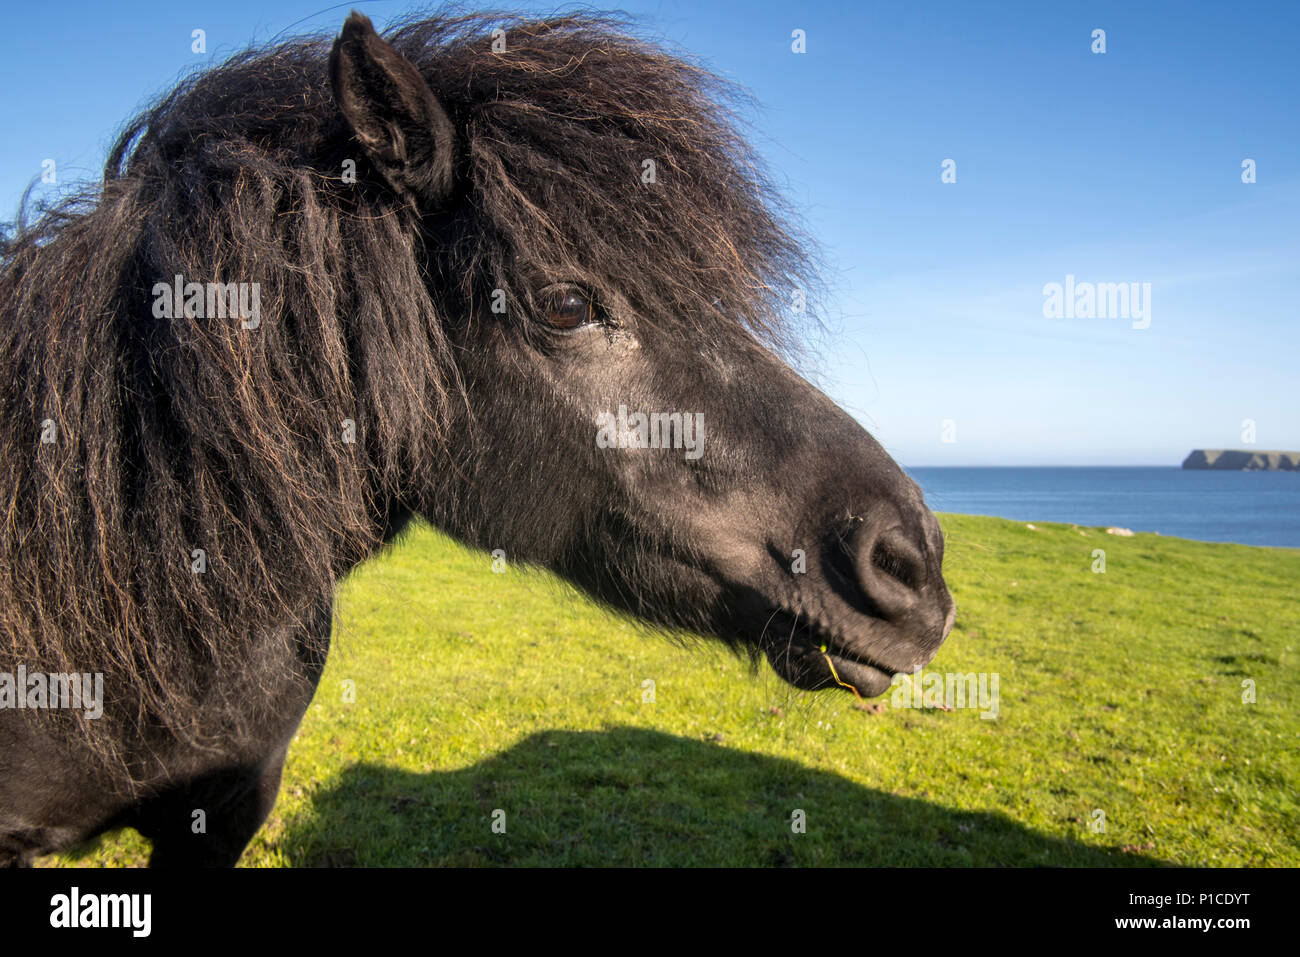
<point>567,307</point>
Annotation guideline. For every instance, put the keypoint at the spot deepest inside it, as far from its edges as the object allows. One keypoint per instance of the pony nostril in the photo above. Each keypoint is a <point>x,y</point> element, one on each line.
<point>897,564</point>
<point>890,571</point>
<point>878,573</point>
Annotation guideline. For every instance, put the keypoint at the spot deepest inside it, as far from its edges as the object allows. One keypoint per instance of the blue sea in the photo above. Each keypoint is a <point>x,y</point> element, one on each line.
<point>1252,508</point>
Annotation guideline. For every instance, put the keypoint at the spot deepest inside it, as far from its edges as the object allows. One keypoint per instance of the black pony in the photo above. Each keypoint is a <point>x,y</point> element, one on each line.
<point>521,278</point>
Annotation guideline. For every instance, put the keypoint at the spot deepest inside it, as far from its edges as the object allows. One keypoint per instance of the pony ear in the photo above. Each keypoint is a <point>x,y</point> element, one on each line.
<point>393,114</point>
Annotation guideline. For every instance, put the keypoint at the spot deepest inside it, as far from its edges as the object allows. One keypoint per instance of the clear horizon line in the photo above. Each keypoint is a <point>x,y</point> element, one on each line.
<point>1047,465</point>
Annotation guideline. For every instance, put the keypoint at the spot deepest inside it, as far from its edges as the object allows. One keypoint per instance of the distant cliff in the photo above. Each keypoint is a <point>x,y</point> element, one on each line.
<point>1242,461</point>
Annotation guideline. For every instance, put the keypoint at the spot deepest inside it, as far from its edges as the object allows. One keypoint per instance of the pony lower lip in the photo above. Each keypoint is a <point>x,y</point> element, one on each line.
<point>807,640</point>
<point>869,679</point>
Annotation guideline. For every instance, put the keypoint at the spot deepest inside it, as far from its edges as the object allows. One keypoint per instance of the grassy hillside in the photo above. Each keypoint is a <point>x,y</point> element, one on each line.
<point>1120,693</point>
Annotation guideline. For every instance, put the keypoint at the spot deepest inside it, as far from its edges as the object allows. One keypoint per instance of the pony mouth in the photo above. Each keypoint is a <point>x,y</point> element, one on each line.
<point>808,656</point>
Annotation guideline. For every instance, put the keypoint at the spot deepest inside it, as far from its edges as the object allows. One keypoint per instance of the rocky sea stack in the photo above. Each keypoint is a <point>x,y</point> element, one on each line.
<point>1238,460</point>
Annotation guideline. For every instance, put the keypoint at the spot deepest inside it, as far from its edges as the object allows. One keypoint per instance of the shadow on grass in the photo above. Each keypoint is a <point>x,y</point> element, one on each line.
<point>629,796</point>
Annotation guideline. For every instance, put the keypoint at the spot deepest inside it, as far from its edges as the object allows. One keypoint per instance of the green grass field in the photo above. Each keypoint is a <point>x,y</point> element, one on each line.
<point>1121,702</point>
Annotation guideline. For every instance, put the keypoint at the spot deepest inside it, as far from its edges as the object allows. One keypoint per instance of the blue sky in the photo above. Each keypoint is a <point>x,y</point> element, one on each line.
<point>1123,166</point>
